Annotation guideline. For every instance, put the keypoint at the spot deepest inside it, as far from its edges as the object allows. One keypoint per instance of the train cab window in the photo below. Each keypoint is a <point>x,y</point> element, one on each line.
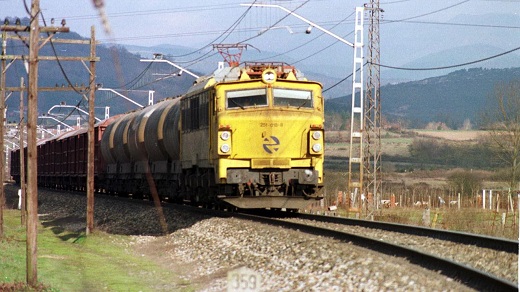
<point>246,98</point>
<point>294,98</point>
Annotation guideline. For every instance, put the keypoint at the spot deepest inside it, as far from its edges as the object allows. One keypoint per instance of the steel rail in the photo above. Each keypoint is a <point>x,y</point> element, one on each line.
<point>469,276</point>
<point>494,243</point>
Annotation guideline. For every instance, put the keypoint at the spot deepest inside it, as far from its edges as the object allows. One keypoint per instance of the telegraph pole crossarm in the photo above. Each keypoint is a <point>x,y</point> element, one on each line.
<point>45,29</point>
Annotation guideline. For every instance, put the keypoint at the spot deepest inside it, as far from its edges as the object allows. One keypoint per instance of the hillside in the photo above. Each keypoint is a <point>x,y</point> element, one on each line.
<point>451,98</point>
<point>118,69</point>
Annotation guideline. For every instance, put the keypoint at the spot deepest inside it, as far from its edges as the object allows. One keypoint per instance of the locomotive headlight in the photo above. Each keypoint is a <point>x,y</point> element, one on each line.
<point>315,140</point>
<point>317,147</point>
<point>225,135</point>
<point>225,148</point>
<point>224,140</point>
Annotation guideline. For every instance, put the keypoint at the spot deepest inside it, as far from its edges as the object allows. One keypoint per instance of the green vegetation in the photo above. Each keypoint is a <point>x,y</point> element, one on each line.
<point>72,262</point>
<point>452,154</point>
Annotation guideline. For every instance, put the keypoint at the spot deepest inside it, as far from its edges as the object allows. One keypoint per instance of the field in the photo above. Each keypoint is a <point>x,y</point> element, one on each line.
<point>451,135</point>
<point>411,184</point>
<point>393,144</point>
<point>395,163</point>
<point>504,223</point>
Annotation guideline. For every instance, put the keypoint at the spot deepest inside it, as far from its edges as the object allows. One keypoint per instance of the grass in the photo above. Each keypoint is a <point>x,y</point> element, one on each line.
<point>390,146</point>
<point>467,219</point>
<point>73,262</point>
<point>472,220</point>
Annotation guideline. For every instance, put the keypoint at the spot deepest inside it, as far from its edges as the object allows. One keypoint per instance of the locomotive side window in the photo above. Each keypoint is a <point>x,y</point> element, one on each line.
<point>289,97</point>
<point>246,98</point>
<point>204,110</point>
<point>195,113</point>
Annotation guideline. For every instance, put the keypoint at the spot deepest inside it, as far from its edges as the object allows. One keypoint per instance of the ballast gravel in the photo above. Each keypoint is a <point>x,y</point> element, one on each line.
<point>201,251</point>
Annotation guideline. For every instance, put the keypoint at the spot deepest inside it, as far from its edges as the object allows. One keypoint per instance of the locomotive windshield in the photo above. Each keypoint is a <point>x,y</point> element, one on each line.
<point>289,97</point>
<point>258,97</point>
<point>246,98</point>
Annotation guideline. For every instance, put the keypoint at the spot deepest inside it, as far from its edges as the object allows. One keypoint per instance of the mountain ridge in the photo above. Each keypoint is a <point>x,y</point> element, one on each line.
<point>451,99</point>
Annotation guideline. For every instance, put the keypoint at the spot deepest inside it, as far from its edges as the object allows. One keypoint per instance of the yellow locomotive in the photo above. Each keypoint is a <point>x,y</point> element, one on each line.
<point>250,136</point>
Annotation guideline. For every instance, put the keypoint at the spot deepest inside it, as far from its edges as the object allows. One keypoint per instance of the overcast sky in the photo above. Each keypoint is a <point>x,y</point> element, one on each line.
<point>156,22</point>
<point>196,24</point>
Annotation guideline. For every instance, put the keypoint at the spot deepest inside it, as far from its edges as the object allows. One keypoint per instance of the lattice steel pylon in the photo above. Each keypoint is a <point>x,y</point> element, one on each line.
<point>356,155</point>
<point>372,137</point>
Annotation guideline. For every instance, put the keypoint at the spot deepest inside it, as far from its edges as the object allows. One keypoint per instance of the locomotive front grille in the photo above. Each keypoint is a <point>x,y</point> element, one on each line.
<point>271,163</point>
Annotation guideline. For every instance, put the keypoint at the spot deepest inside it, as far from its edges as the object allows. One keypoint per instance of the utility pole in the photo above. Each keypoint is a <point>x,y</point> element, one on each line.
<point>32,113</point>
<point>32,163</point>
<point>91,135</point>
<point>372,143</point>
<point>2,119</point>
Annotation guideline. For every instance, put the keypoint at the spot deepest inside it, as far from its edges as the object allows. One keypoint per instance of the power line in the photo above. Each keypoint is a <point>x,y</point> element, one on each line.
<point>59,63</point>
<point>342,80</point>
<point>455,24</point>
<point>247,39</point>
<point>450,66</point>
<point>157,11</point>
<point>402,20</point>
<point>431,68</point>
<point>432,12</point>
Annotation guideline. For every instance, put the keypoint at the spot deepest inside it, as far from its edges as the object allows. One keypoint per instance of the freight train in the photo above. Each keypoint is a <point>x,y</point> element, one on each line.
<point>251,136</point>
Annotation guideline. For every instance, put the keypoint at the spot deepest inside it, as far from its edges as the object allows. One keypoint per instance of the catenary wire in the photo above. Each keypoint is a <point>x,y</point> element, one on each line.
<point>450,66</point>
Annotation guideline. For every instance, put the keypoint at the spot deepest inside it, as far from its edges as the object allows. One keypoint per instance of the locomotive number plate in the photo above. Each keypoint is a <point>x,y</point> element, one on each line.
<point>271,125</point>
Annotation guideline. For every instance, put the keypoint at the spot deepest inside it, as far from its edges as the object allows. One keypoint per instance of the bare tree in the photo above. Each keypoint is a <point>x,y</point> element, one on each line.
<point>505,128</point>
<point>465,182</point>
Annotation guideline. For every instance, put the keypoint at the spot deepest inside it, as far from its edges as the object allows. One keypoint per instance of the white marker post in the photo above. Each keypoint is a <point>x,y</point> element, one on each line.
<point>243,280</point>
<point>19,199</point>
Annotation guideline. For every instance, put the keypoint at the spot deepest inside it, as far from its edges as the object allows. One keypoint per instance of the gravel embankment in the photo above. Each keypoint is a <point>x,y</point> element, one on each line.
<point>501,264</point>
<point>201,250</point>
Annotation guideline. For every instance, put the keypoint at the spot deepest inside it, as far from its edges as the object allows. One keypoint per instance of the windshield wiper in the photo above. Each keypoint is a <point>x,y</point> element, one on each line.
<point>236,103</point>
<point>305,102</point>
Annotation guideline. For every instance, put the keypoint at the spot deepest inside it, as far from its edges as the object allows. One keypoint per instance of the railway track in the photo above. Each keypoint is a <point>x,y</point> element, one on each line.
<point>334,227</point>
<point>495,243</point>
<point>246,244</point>
<point>338,228</point>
